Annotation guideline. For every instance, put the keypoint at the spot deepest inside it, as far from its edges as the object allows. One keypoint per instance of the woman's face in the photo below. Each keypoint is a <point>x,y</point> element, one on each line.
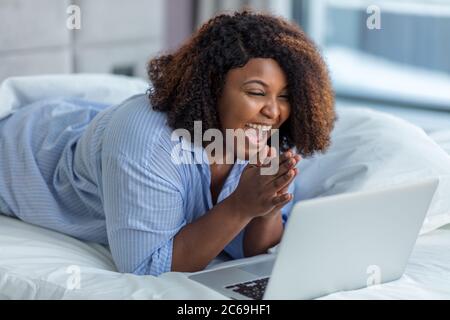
<point>254,99</point>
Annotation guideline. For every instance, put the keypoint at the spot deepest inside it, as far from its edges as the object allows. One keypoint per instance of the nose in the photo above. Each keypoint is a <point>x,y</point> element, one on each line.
<point>271,109</point>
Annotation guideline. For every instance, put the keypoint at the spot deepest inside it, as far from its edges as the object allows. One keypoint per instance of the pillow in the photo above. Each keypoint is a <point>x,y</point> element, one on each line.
<point>374,150</point>
<point>16,92</point>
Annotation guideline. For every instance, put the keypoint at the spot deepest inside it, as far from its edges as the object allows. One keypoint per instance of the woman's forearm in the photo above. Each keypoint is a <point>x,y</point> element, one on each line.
<point>262,233</point>
<point>199,242</point>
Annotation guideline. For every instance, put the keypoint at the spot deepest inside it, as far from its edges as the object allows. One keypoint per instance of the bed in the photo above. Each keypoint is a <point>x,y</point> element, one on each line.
<point>42,264</point>
<point>37,263</point>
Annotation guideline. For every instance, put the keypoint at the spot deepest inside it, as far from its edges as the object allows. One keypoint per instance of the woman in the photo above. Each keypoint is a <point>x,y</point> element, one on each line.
<point>109,174</point>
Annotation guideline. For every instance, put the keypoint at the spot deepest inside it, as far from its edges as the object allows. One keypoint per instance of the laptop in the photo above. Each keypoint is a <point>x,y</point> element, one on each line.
<point>336,243</point>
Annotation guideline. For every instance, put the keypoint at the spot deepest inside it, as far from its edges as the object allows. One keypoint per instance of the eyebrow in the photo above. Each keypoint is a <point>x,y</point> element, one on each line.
<point>260,82</point>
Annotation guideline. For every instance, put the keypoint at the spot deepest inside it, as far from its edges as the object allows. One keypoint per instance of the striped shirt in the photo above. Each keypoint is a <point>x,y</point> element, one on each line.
<point>106,174</point>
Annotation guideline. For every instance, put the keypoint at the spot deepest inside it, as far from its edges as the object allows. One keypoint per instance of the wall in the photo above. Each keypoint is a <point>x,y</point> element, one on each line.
<point>115,36</point>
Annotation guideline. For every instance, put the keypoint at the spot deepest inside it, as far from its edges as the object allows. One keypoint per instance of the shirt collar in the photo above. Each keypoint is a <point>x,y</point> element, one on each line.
<point>199,152</point>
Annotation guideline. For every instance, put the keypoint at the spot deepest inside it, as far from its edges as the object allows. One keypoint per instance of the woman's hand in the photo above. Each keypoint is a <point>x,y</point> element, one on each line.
<point>259,195</point>
<point>277,210</point>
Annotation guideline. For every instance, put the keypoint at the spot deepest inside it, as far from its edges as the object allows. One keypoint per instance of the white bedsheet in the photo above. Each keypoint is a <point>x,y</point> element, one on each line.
<point>36,263</point>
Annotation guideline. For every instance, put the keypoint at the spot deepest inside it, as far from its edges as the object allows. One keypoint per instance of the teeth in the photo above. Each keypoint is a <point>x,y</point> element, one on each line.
<point>259,127</point>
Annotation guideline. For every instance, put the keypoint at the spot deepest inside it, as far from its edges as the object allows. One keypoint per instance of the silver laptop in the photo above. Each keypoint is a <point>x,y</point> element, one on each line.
<point>335,243</point>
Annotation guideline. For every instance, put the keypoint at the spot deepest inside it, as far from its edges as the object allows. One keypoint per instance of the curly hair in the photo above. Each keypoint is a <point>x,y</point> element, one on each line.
<point>188,82</point>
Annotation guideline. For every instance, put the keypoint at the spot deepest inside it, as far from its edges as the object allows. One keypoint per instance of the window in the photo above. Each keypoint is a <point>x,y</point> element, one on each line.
<point>406,61</point>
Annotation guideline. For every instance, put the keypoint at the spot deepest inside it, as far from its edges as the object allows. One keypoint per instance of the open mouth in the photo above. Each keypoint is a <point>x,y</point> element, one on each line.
<point>257,134</point>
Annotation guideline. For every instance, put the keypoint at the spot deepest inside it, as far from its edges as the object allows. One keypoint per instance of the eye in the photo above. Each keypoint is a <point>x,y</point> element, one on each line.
<point>285,96</point>
<point>256,93</point>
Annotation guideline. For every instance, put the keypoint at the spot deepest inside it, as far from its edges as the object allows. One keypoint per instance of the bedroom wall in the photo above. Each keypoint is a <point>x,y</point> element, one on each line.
<point>115,37</point>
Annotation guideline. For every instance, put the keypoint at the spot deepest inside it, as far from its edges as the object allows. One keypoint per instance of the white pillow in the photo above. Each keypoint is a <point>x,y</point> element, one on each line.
<point>16,92</point>
<point>372,150</point>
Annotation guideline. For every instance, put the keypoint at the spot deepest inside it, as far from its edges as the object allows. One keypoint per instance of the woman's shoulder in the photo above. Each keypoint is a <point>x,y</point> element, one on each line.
<point>136,130</point>
<point>137,109</point>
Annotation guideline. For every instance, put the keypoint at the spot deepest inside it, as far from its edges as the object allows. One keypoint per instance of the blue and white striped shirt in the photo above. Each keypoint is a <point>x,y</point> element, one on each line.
<point>105,174</point>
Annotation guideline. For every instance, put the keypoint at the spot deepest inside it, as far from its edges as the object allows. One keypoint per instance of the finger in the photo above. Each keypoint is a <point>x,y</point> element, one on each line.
<point>257,157</point>
<point>283,191</point>
<point>273,162</point>
<point>285,180</point>
<point>288,157</point>
<point>266,156</point>
<point>281,200</point>
<point>280,206</point>
<point>283,169</point>
<point>286,188</point>
<point>273,158</point>
<point>289,163</point>
<point>286,166</point>
<point>282,160</point>
<point>252,168</point>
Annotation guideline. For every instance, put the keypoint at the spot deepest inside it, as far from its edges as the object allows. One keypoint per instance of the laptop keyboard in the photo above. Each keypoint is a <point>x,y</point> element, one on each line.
<point>253,289</point>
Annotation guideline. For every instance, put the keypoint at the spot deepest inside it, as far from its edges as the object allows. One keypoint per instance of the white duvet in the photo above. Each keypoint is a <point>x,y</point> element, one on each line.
<point>36,263</point>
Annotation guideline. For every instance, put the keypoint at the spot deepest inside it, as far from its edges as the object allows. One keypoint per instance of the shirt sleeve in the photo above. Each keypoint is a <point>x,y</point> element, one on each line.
<point>144,211</point>
<point>236,247</point>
